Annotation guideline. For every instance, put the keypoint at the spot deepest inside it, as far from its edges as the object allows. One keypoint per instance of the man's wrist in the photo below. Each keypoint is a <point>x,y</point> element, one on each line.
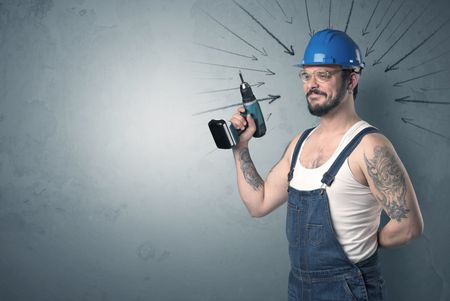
<point>240,146</point>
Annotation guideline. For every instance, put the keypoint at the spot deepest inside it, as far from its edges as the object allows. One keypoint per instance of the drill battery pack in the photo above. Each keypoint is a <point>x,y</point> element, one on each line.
<point>225,136</point>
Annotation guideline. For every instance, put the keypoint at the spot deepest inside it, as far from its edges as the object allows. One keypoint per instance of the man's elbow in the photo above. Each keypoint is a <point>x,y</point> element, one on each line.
<point>416,231</point>
<point>256,213</point>
<point>419,231</point>
<point>259,211</point>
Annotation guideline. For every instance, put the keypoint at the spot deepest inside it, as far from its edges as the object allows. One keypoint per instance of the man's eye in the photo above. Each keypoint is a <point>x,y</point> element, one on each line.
<point>306,76</point>
<point>323,75</point>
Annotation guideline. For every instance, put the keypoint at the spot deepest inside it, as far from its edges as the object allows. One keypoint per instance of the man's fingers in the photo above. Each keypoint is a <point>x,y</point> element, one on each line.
<point>251,122</point>
<point>238,121</point>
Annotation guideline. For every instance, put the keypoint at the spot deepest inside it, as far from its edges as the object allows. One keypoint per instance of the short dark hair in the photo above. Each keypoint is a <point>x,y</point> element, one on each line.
<point>346,76</point>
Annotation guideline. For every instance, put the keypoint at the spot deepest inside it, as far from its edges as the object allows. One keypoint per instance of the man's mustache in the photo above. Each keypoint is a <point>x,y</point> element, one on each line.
<point>316,91</point>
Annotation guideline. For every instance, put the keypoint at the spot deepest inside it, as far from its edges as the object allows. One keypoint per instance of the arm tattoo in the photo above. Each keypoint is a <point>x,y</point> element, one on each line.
<point>248,169</point>
<point>388,178</point>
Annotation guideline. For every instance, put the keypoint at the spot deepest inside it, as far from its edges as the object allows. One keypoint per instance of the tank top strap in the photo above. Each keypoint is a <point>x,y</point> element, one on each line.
<point>328,176</point>
<point>297,150</point>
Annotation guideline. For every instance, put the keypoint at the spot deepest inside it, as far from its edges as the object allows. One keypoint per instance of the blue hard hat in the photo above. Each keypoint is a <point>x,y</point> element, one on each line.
<point>332,47</point>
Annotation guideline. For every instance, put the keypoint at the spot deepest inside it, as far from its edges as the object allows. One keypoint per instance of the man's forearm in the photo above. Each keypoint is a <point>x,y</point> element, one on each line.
<point>248,169</point>
<point>250,183</point>
<point>391,235</point>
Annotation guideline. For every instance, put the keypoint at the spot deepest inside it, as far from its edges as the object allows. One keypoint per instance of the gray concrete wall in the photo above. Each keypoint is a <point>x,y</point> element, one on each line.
<point>111,188</point>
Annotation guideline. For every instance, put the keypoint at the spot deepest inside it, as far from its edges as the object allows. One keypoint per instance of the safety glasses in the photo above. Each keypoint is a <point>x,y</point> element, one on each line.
<point>321,76</point>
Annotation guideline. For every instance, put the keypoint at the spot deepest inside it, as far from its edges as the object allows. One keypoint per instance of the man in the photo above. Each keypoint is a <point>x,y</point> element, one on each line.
<point>336,179</point>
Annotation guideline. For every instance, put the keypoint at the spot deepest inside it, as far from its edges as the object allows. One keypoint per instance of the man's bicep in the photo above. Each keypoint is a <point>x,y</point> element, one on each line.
<point>276,185</point>
<point>387,178</point>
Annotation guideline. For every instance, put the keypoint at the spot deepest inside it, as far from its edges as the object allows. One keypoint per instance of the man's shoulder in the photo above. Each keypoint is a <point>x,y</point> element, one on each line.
<point>371,143</point>
<point>372,139</point>
<point>289,151</point>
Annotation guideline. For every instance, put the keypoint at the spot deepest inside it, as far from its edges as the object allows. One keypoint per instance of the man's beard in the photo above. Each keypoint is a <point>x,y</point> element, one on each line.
<point>324,109</point>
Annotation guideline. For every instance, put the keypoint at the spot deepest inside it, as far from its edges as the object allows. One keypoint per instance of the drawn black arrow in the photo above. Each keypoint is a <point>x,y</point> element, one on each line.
<point>433,89</point>
<point>288,20</point>
<point>406,99</point>
<point>399,24</point>
<point>288,51</point>
<point>311,32</point>
<point>259,84</point>
<point>270,97</point>
<point>378,61</point>
<point>399,84</point>
<point>294,6</point>
<point>214,78</point>
<point>439,43</point>
<point>393,66</point>
<point>267,71</point>
<point>370,49</point>
<point>385,13</point>
<point>349,15</point>
<point>218,109</point>
<point>409,121</point>
<point>263,52</point>
<point>429,60</point>
<point>364,31</point>
<point>267,11</point>
<point>329,14</point>
<point>253,58</point>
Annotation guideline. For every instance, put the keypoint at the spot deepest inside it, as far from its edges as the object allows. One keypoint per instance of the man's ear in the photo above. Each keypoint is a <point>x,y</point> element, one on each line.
<point>353,80</point>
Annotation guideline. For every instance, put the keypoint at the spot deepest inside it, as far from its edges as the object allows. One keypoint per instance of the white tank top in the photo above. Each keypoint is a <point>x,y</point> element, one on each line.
<point>354,211</point>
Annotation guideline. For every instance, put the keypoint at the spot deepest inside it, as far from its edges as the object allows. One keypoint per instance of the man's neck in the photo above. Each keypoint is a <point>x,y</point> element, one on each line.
<point>340,119</point>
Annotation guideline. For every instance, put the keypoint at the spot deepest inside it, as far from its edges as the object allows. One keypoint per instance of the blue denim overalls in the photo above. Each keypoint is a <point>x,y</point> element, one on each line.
<point>320,270</point>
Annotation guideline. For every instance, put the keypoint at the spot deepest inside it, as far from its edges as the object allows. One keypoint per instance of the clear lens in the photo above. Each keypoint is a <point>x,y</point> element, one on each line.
<point>305,76</point>
<point>321,76</point>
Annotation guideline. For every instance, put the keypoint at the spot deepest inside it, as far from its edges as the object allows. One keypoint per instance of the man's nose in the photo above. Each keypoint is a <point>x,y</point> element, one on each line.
<point>312,82</point>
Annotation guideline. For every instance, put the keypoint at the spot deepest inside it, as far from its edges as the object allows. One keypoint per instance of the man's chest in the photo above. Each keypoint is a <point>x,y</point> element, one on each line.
<point>316,152</point>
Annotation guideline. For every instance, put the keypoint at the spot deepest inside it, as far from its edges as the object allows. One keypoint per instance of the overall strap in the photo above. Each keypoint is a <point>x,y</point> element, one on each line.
<point>328,177</point>
<point>296,151</point>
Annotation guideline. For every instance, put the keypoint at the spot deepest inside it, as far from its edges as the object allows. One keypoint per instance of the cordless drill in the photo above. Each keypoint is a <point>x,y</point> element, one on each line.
<point>252,107</point>
<point>226,136</point>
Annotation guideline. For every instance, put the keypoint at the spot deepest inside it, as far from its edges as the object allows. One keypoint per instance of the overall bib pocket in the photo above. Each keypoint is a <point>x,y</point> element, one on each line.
<point>314,233</point>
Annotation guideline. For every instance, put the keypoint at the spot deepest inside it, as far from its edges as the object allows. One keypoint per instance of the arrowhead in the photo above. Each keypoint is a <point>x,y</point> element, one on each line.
<point>264,52</point>
<point>259,84</point>
<point>269,72</point>
<point>376,62</point>
<point>390,68</point>
<point>364,32</point>
<point>406,120</point>
<point>290,51</point>
<point>273,97</point>
<point>290,21</point>
<point>397,84</point>
<point>369,51</point>
<point>402,99</point>
<point>254,58</point>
